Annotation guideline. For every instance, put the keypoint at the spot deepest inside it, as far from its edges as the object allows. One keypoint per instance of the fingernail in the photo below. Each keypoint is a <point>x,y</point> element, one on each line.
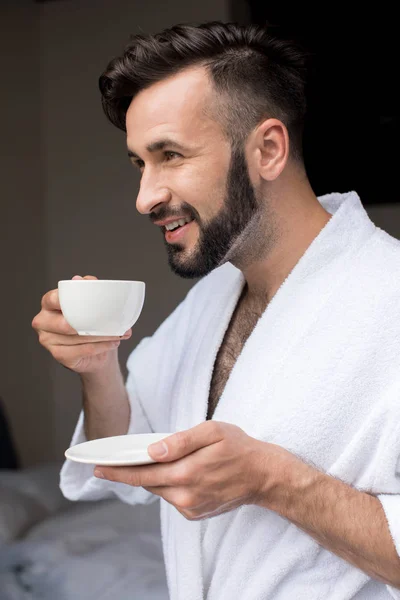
<point>159,450</point>
<point>98,473</point>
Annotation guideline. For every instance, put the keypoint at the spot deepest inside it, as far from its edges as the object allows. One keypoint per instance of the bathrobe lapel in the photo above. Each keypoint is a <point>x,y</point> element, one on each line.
<point>185,570</point>
<point>291,313</point>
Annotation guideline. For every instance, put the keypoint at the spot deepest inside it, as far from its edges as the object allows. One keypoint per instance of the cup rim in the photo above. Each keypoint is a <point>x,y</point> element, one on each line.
<point>99,281</point>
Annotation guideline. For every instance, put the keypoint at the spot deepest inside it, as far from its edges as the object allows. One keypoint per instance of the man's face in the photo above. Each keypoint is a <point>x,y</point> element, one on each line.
<point>190,173</point>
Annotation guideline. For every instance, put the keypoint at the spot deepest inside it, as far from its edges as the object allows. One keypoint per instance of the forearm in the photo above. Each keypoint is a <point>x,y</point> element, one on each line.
<point>349,523</point>
<point>105,401</point>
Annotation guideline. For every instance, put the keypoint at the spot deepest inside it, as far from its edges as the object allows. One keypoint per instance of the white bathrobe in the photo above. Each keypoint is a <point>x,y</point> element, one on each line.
<point>319,375</point>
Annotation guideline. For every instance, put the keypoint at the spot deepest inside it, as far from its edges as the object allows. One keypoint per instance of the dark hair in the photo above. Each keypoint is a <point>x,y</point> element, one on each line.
<point>255,74</point>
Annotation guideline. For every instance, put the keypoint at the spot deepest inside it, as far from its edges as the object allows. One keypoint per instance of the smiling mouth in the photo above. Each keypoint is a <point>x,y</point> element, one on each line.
<point>177,224</point>
<point>177,234</point>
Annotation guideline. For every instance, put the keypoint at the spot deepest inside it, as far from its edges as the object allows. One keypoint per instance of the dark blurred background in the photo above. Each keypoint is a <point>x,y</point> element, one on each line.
<point>68,191</point>
<point>353,114</point>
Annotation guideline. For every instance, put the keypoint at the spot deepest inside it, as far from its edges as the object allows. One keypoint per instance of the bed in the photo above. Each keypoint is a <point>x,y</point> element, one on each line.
<point>55,549</point>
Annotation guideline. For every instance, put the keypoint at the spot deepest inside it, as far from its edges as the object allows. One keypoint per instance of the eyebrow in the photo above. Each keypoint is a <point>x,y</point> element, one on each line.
<point>159,145</point>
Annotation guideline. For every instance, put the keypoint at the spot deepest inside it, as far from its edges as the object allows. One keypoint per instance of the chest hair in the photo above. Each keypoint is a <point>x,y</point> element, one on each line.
<point>242,323</point>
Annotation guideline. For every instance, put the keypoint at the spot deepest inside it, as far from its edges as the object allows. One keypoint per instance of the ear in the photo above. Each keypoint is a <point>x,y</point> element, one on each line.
<point>269,149</point>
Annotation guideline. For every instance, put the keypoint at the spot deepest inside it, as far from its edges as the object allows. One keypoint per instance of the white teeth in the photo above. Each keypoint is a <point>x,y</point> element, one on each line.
<point>172,225</point>
<point>178,223</point>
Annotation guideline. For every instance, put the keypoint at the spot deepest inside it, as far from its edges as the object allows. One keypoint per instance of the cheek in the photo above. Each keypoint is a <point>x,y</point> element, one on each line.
<point>204,189</point>
<point>216,195</point>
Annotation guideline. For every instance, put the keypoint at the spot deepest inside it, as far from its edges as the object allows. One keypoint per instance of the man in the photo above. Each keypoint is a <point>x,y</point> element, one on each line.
<point>279,372</point>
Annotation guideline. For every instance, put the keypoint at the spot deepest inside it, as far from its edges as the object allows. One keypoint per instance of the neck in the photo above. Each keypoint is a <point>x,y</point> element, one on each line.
<point>283,235</point>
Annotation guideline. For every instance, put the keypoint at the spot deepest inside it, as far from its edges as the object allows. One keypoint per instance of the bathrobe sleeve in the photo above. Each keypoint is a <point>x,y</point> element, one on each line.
<point>391,506</point>
<point>151,373</point>
<point>391,501</point>
<point>77,481</point>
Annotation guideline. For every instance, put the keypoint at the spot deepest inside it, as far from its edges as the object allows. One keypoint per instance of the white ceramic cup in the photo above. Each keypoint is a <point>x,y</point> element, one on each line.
<point>101,306</point>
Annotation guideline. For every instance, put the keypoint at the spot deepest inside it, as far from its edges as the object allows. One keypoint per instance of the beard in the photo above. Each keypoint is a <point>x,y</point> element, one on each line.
<point>223,238</point>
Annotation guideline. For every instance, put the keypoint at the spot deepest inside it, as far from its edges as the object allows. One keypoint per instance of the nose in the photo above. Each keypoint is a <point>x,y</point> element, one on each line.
<point>151,193</point>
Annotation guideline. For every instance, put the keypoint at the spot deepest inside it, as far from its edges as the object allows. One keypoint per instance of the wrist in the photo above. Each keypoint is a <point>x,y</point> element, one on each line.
<point>109,370</point>
<point>105,401</point>
<point>288,480</point>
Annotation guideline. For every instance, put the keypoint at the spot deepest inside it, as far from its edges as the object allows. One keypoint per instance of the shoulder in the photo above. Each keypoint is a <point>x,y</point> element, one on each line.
<point>382,259</point>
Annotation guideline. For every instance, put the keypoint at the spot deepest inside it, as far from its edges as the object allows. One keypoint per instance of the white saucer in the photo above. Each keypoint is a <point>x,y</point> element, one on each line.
<point>119,450</point>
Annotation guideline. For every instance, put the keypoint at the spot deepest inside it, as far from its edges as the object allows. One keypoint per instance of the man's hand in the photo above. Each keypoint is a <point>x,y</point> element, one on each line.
<point>105,400</point>
<point>82,354</point>
<point>207,470</point>
<point>216,467</point>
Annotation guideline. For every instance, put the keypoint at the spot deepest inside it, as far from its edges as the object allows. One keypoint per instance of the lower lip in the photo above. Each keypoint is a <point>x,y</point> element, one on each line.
<point>177,234</point>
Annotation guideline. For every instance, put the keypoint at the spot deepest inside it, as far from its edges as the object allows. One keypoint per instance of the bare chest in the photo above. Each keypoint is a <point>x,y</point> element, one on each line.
<point>242,324</point>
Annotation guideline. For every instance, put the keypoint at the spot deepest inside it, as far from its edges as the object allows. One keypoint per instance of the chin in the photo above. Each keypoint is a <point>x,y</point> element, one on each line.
<point>186,266</point>
<point>184,272</point>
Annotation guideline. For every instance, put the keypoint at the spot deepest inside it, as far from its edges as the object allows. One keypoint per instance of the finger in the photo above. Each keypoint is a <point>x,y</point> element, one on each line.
<point>50,301</point>
<point>197,513</point>
<point>52,321</point>
<point>142,476</point>
<point>182,498</point>
<point>187,502</point>
<point>55,339</point>
<point>183,443</point>
<point>71,356</point>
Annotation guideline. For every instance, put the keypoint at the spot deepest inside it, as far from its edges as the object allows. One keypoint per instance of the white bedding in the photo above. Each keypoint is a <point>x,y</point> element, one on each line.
<point>77,550</point>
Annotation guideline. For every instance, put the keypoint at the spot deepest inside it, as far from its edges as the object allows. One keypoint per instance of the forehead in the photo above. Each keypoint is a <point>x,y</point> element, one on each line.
<point>176,105</point>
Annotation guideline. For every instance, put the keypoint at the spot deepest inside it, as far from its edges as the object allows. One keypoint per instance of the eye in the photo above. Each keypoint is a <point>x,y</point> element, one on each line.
<point>139,164</point>
<point>169,155</point>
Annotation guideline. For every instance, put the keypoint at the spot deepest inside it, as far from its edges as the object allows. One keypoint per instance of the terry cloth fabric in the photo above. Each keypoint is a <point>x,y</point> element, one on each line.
<point>319,375</point>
